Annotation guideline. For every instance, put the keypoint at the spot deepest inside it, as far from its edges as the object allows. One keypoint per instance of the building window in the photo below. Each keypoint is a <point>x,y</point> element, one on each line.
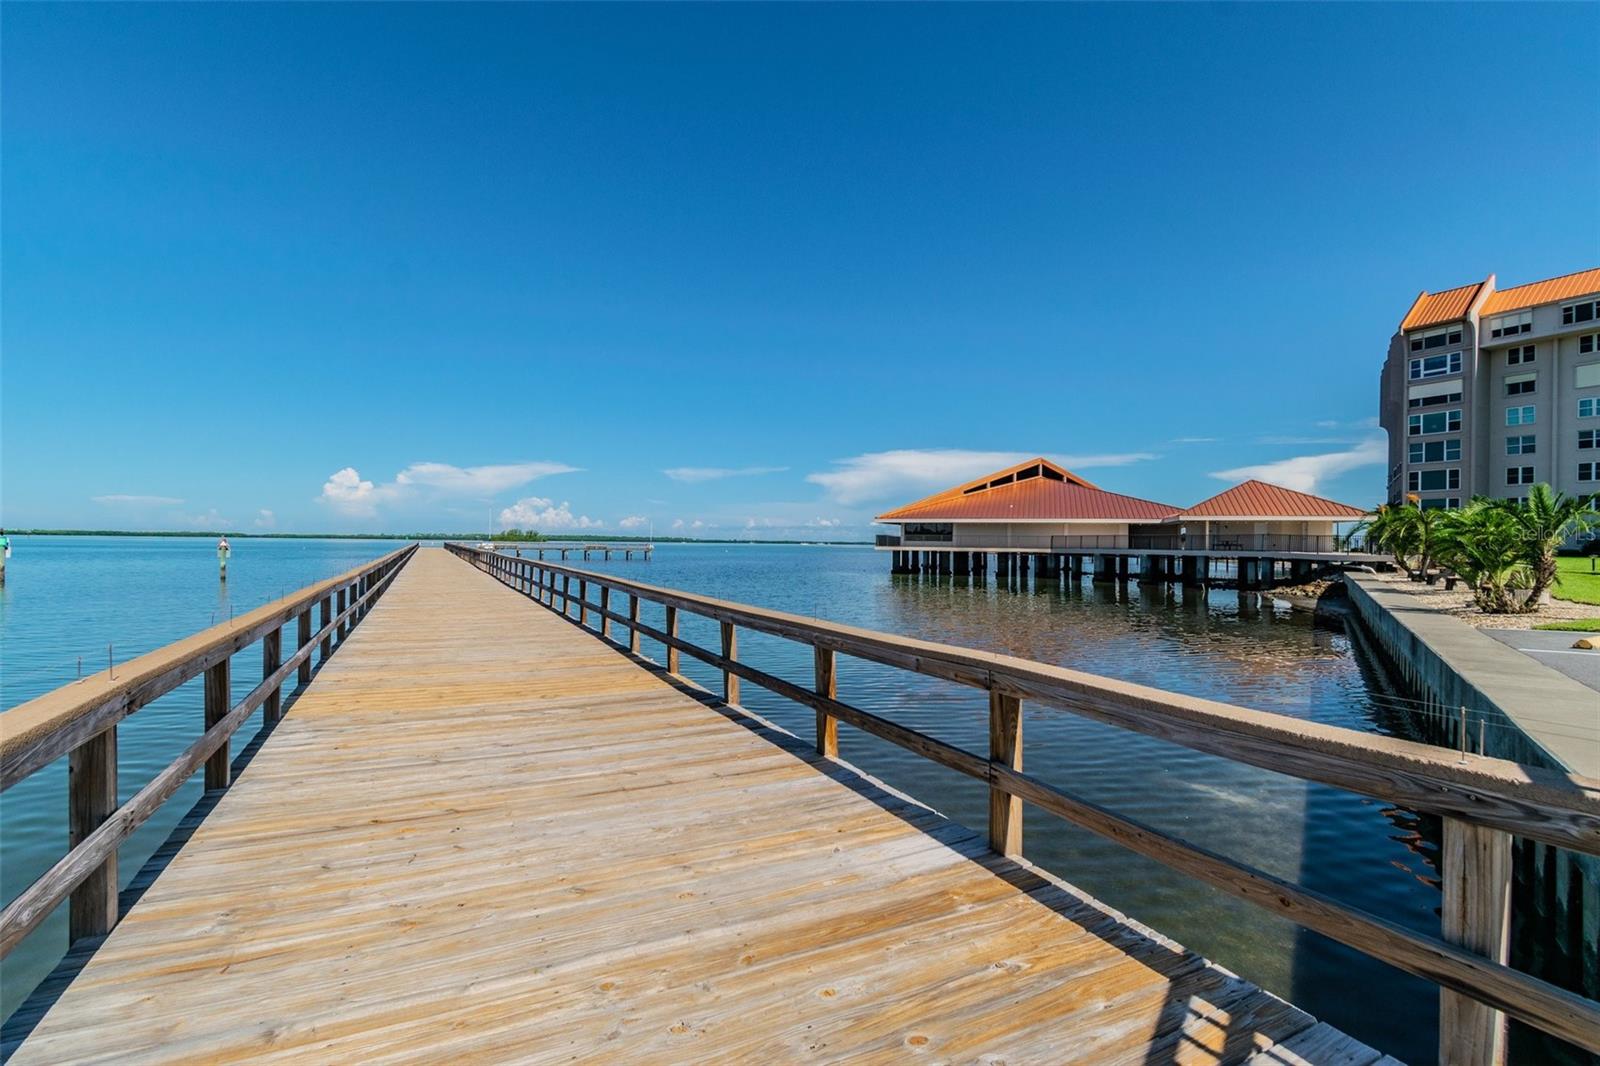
<point>1589,471</point>
<point>1436,366</point>
<point>1587,438</point>
<point>1521,386</point>
<point>1588,407</point>
<point>1434,422</point>
<point>1520,355</point>
<point>1434,401</point>
<point>1434,480</point>
<point>1435,338</point>
<point>1587,311</point>
<point>1436,503</point>
<point>1435,451</point>
<point>1519,475</point>
<point>1511,325</point>
<point>1520,445</point>
<point>1589,342</point>
<point>1519,416</point>
<point>1520,501</point>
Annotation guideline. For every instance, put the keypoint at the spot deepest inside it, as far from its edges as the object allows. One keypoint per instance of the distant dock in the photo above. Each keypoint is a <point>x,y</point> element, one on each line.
<point>538,549</point>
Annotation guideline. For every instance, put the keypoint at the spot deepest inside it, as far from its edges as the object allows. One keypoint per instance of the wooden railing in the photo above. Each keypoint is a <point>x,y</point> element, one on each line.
<point>1483,802</point>
<point>80,721</point>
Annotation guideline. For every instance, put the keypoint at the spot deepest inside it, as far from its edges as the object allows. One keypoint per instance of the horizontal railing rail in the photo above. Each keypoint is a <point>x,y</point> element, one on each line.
<point>80,721</point>
<point>1482,802</point>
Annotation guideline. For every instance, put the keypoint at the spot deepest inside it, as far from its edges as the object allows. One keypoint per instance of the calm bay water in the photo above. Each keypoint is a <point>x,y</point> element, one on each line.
<point>71,596</point>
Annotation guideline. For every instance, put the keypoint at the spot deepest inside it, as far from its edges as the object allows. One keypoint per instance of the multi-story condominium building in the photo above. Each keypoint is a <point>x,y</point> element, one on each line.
<point>1487,391</point>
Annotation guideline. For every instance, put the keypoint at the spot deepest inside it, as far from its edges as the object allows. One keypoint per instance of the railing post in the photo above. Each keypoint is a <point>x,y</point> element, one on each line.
<point>1005,748</point>
<point>605,605</point>
<point>583,602</point>
<point>91,799</point>
<point>633,623</point>
<point>303,632</point>
<point>730,651</point>
<point>326,615</point>
<point>271,659</point>
<point>218,697</point>
<point>672,631</point>
<point>827,677</point>
<point>1475,865</point>
<point>344,623</point>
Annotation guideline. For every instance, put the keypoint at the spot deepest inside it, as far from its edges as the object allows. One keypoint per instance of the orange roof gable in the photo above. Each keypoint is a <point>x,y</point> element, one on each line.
<point>1036,490</point>
<point>1566,287</point>
<point>1430,309</point>
<point>1259,499</point>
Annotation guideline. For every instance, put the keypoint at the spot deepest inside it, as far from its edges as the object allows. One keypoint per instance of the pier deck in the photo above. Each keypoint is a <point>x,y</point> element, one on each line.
<point>483,833</point>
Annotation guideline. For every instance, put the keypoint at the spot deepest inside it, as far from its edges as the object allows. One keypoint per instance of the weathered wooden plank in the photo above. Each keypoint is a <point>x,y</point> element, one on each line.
<point>91,799</point>
<point>303,639</point>
<point>219,770</point>
<point>271,659</point>
<point>826,673</point>
<point>1005,749</point>
<point>1475,865</point>
<point>633,623</point>
<point>730,653</point>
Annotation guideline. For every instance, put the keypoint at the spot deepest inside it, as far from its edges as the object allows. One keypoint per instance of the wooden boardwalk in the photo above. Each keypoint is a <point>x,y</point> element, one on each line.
<point>482,833</point>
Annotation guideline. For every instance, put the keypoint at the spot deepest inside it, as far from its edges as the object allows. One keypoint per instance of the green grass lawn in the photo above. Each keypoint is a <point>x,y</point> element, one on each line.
<point>1577,583</point>
<point>1573,625</point>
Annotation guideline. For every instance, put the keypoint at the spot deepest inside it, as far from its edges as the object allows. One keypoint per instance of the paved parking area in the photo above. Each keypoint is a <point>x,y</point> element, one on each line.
<point>1555,650</point>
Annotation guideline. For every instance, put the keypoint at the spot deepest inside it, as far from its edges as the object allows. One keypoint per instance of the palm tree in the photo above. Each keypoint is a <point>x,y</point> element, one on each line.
<point>1485,545</point>
<point>1393,529</point>
<point>1545,522</point>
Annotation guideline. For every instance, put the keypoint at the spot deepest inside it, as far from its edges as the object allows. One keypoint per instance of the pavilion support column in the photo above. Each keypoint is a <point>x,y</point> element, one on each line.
<point>1103,568</point>
<point>1075,565</point>
<point>961,561</point>
<point>1149,570</point>
<point>1122,568</point>
<point>944,564</point>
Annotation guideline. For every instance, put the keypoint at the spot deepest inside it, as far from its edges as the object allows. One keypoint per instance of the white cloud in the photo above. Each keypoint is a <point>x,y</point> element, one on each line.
<point>908,471</point>
<point>265,519</point>
<point>715,473</point>
<point>633,521</point>
<point>350,494</point>
<point>347,493</point>
<point>1305,472</point>
<point>1194,440</point>
<point>536,512</point>
<point>680,523</point>
<point>118,499</point>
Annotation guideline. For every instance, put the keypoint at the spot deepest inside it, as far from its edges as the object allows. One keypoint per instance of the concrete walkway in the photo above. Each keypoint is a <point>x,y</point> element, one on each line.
<point>1467,666</point>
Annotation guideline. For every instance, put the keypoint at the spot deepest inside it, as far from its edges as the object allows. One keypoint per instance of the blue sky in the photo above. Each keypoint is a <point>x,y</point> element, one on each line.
<point>742,270</point>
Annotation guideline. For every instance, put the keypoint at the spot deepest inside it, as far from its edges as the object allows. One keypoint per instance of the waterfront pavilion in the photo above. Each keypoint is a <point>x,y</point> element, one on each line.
<point>1039,516</point>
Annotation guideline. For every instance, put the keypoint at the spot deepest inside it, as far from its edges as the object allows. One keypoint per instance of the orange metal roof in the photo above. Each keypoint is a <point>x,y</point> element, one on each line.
<point>1566,287</point>
<point>1430,309</point>
<point>1041,497</point>
<point>1258,499</point>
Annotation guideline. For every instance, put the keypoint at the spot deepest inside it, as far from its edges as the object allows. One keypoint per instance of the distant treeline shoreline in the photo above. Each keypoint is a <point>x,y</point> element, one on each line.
<point>506,537</point>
